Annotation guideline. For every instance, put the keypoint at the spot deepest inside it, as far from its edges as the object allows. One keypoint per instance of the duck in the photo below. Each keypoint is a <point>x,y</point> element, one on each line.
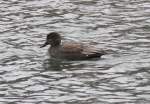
<point>70,50</point>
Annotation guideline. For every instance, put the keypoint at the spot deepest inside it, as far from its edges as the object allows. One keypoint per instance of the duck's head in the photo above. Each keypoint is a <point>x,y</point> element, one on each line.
<point>52,39</point>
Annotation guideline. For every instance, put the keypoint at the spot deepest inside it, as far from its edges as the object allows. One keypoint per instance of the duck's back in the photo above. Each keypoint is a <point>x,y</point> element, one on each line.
<point>71,48</point>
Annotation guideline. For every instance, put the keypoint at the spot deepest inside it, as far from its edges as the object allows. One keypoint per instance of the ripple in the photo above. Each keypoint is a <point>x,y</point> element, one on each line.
<point>29,76</point>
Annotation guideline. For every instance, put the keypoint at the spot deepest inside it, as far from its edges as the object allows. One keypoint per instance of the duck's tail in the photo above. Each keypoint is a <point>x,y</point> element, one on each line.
<point>96,54</point>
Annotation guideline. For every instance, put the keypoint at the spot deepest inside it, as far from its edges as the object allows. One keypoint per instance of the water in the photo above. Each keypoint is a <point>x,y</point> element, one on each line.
<point>28,76</point>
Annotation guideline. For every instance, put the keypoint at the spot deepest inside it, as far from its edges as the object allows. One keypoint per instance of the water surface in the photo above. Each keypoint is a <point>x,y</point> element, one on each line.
<point>29,76</point>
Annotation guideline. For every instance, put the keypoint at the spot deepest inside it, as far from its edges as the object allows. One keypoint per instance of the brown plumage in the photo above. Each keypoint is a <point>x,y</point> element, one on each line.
<point>70,50</point>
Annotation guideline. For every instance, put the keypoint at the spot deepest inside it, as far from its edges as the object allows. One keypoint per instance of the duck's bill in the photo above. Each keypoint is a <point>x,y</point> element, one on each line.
<point>45,44</point>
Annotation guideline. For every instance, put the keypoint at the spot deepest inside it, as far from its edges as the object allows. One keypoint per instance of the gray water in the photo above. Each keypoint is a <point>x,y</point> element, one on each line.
<point>29,76</point>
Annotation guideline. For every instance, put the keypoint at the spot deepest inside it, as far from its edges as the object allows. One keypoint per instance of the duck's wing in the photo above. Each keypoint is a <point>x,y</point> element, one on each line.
<point>91,52</point>
<point>71,48</point>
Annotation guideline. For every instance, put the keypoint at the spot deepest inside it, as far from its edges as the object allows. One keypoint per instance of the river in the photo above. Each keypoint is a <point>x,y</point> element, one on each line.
<point>29,76</point>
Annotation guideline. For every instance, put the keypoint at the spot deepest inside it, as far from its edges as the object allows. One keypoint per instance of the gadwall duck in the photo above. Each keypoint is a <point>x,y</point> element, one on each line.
<point>71,50</point>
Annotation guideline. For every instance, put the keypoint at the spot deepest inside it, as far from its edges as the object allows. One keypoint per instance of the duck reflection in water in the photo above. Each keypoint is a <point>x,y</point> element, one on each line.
<point>59,65</point>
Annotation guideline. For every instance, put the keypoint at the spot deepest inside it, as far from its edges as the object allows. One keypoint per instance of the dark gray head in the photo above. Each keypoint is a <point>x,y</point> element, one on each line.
<point>52,39</point>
